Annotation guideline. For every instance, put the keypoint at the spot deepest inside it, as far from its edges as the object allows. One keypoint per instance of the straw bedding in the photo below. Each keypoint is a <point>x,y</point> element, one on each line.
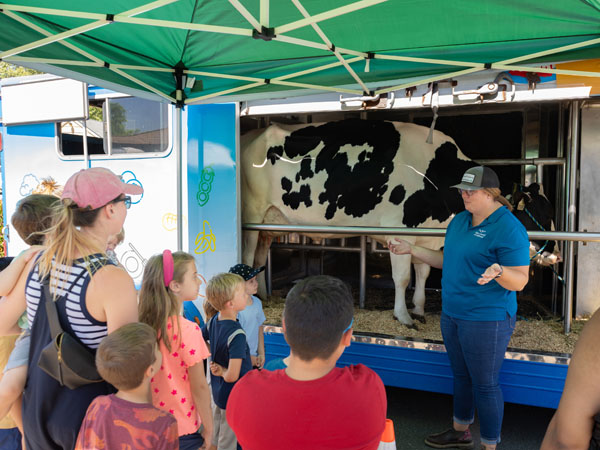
<point>535,330</point>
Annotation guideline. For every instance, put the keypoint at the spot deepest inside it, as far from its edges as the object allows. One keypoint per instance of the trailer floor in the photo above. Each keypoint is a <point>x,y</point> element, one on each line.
<point>417,414</point>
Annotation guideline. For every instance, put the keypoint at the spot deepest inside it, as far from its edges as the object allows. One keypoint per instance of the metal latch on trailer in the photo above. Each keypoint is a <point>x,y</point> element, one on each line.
<point>379,101</point>
<point>490,91</point>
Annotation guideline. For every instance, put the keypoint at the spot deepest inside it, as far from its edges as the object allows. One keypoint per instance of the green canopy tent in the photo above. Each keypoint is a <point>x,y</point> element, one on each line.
<point>266,48</point>
<point>192,51</point>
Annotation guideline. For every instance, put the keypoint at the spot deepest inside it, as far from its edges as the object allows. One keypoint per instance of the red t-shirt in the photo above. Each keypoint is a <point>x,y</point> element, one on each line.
<point>111,422</point>
<point>345,409</point>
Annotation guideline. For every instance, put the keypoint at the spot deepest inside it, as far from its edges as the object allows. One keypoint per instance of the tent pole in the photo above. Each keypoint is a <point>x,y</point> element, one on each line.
<point>178,161</point>
<point>264,13</point>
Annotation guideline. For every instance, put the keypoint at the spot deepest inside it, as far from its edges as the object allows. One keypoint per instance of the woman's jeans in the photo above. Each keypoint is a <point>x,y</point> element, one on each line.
<point>476,352</point>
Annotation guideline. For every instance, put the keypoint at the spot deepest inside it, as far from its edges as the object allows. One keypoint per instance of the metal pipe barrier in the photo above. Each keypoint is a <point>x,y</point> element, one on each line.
<point>569,236</point>
<point>522,162</point>
<point>573,167</point>
<point>580,236</point>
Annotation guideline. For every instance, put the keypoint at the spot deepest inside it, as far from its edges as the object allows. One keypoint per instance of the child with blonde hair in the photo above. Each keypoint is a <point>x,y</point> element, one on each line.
<point>180,386</point>
<point>230,355</point>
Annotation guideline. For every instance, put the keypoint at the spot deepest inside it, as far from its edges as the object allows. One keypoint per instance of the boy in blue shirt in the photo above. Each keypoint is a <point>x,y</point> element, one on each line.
<point>230,355</point>
<point>252,316</point>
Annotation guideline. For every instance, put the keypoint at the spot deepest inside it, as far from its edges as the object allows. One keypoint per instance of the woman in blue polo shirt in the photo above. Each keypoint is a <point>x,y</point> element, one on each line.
<point>484,262</point>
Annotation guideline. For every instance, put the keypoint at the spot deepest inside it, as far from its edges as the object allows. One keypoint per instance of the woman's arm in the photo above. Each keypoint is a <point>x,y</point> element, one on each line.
<point>572,424</point>
<point>513,278</point>
<point>112,297</point>
<point>435,258</point>
<point>201,395</point>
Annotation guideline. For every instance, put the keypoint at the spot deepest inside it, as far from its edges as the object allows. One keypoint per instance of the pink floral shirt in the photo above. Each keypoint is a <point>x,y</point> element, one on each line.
<point>171,390</point>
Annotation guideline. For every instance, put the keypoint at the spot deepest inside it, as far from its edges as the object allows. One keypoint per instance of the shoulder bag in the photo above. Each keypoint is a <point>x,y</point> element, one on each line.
<point>65,359</point>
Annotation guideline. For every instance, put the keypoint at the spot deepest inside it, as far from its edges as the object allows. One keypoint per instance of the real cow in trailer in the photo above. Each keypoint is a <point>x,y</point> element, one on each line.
<point>352,173</point>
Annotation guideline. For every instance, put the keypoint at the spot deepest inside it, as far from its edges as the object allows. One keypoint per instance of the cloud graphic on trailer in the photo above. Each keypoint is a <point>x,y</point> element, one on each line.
<point>129,177</point>
<point>217,155</point>
<point>29,183</point>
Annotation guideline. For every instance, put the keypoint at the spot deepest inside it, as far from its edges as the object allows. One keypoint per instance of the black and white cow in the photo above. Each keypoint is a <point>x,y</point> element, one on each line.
<point>352,173</point>
<point>366,173</point>
<point>535,211</point>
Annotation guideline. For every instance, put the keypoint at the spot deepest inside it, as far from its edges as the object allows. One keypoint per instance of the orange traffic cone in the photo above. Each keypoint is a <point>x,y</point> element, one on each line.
<point>388,439</point>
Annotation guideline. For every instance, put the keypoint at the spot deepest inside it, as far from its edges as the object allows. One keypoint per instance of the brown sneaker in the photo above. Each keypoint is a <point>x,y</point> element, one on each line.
<point>450,439</point>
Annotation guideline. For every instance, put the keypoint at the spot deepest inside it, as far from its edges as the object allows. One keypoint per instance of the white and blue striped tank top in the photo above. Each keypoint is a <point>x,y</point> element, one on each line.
<point>73,286</point>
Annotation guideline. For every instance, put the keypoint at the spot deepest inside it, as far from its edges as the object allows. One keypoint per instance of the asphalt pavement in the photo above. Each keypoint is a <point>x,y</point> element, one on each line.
<point>417,414</point>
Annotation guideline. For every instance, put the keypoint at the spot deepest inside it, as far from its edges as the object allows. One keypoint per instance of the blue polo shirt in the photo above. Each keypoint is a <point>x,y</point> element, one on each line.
<point>468,251</point>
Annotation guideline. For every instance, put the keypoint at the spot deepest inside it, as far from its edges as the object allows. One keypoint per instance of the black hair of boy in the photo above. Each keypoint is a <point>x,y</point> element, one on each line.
<point>123,357</point>
<point>33,216</point>
<point>317,311</point>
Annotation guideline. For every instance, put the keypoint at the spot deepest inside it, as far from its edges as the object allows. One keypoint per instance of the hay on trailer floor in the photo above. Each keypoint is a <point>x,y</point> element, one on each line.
<point>541,334</point>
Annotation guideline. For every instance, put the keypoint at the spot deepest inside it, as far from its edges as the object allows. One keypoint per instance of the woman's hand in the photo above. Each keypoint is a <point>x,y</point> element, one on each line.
<point>490,273</point>
<point>400,247</point>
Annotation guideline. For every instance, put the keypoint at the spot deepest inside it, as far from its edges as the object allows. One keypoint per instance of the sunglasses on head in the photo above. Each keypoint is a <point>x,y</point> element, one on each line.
<point>126,199</point>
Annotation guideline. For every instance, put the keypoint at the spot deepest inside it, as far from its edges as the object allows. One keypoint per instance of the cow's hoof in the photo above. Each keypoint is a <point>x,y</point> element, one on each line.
<point>418,317</point>
<point>411,326</point>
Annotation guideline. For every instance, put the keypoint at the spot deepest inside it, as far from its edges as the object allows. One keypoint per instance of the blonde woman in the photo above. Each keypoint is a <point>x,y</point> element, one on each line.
<point>93,297</point>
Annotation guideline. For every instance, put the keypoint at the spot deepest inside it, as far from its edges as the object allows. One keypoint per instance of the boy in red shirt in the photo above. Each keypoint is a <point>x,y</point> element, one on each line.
<point>128,358</point>
<point>312,404</point>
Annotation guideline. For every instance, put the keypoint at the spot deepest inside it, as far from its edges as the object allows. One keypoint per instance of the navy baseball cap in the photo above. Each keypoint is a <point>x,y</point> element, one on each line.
<point>245,271</point>
<point>477,178</point>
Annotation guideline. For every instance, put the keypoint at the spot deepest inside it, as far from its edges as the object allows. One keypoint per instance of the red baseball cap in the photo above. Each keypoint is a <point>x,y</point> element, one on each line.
<point>96,187</point>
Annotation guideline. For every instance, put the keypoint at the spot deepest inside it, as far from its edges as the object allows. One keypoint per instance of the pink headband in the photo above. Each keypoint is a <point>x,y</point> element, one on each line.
<point>168,267</point>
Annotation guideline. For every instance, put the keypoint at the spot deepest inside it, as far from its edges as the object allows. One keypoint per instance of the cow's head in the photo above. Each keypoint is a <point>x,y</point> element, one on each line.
<point>535,212</point>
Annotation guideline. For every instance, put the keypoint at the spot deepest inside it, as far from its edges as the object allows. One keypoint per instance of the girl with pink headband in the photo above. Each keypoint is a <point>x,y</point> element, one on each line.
<point>180,386</point>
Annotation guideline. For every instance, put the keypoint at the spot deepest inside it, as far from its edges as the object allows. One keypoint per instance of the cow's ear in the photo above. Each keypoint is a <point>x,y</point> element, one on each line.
<point>534,188</point>
<point>516,199</point>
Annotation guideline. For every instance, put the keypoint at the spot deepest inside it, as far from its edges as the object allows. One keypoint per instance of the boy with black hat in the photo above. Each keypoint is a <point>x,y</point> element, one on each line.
<point>252,317</point>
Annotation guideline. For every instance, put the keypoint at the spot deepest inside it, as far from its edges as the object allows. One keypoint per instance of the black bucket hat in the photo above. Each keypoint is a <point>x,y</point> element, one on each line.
<point>477,178</point>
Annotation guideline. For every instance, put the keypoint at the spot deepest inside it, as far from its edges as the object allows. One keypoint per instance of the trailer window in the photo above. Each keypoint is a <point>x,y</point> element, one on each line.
<point>118,127</point>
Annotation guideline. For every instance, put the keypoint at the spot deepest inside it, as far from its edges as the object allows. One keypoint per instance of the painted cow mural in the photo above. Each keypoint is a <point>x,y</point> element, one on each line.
<point>352,173</point>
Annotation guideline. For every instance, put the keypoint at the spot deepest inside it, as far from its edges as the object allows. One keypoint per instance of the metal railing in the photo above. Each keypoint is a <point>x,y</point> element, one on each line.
<point>580,236</point>
<point>569,236</point>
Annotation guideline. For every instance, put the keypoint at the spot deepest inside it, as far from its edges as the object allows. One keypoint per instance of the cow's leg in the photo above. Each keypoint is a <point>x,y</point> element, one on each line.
<point>250,239</point>
<point>401,276</point>
<point>254,254</point>
<point>260,259</point>
<point>421,273</point>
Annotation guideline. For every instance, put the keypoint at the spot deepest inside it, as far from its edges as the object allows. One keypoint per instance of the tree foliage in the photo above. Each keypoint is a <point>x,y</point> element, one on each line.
<point>8,70</point>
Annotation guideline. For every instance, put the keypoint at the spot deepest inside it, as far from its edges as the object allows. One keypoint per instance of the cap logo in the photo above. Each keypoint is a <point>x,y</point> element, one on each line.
<point>468,178</point>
